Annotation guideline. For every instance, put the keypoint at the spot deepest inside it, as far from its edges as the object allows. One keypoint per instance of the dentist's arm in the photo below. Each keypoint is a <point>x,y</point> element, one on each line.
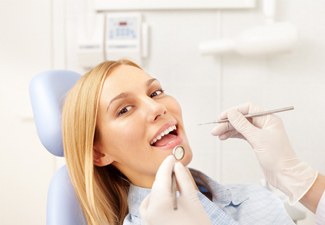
<point>157,208</point>
<point>281,166</point>
<point>314,195</point>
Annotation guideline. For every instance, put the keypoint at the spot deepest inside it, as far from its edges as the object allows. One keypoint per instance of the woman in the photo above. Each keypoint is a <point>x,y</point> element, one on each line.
<point>118,127</point>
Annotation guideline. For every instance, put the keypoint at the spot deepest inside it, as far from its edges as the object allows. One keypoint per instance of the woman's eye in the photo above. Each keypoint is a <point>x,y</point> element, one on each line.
<point>124,110</point>
<point>156,93</point>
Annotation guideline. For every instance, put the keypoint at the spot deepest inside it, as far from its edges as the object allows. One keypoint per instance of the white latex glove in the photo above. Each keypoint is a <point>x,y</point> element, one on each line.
<point>268,138</point>
<point>157,207</point>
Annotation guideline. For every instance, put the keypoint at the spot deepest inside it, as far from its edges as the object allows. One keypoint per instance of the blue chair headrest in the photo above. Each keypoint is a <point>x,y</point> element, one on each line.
<point>47,92</point>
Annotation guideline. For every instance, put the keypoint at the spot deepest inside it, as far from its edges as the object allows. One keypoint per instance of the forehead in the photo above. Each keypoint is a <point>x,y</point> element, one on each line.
<point>124,78</point>
<point>127,73</point>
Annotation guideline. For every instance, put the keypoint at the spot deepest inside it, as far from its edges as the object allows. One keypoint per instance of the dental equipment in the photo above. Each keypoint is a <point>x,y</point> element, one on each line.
<point>251,115</point>
<point>269,39</point>
<point>174,191</point>
<point>178,153</point>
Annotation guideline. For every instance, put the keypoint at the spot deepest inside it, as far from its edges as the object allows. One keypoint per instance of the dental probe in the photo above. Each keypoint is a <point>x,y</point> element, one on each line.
<point>178,153</point>
<point>250,115</point>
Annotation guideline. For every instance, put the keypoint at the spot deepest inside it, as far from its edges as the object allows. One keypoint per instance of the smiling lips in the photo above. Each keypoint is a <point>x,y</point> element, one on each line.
<point>165,137</point>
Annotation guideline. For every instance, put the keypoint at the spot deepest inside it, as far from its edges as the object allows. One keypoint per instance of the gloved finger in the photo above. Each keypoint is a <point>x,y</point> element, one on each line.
<point>221,129</point>
<point>184,179</point>
<point>231,134</point>
<point>244,108</point>
<point>225,131</point>
<point>242,125</point>
<point>247,108</point>
<point>164,175</point>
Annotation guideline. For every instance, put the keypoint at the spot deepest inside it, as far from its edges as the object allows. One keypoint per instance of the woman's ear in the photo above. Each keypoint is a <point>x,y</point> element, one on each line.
<point>100,159</point>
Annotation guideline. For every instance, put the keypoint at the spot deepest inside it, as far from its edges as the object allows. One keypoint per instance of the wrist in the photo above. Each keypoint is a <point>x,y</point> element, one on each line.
<point>314,194</point>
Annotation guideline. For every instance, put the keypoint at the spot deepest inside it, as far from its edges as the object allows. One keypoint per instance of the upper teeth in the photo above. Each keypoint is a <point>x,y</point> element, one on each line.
<point>165,132</point>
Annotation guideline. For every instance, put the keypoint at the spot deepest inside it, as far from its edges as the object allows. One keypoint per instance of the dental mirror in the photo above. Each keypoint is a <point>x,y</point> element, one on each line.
<point>178,152</point>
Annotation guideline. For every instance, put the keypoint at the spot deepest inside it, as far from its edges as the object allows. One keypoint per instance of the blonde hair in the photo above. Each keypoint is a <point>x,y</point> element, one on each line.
<point>102,191</point>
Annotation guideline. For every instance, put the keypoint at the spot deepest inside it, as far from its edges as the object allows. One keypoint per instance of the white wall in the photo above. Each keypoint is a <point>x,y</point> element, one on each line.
<point>25,167</point>
<point>203,85</point>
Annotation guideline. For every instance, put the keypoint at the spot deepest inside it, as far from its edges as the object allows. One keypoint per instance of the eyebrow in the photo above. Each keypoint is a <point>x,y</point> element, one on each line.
<point>150,81</point>
<point>125,95</point>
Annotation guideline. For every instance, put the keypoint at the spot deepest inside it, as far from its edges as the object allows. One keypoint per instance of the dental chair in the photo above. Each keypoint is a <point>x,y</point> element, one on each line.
<point>47,92</point>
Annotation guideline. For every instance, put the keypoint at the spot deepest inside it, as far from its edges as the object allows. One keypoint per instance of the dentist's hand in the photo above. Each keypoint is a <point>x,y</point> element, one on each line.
<point>268,138</point>
<point>157,208</point>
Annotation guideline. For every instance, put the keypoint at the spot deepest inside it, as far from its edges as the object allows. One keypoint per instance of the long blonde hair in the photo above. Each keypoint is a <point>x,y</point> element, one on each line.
<point>102,191</point>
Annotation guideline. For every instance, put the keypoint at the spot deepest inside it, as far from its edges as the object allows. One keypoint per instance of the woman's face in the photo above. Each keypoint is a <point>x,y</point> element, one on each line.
<point>138,125</point>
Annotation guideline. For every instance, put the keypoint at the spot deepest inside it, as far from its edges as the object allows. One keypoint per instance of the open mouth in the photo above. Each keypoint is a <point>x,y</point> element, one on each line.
<point>165,137</point>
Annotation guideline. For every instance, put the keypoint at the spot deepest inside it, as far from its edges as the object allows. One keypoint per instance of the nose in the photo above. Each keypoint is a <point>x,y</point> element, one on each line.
<point>154,109</point>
